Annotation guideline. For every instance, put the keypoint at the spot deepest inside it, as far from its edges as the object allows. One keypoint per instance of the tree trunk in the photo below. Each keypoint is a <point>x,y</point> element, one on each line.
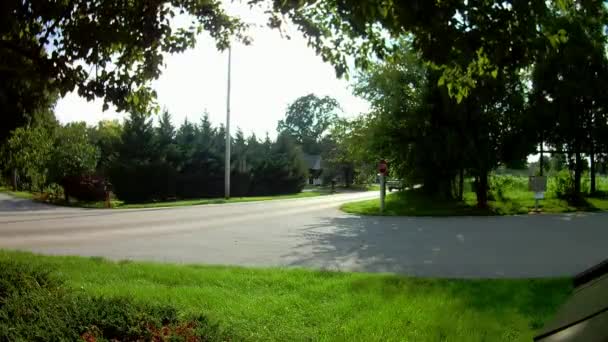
<point>14,179</point>
<point>461,184</point>
<point>577,173</point>
<point>541,161</point>
<point>592,170</point>
<point>481,190</point>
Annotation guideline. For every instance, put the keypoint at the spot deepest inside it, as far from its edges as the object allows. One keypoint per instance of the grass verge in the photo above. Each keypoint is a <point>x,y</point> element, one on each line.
<point>288,305</point>
<point>416,203</point>
<point>117,204</point>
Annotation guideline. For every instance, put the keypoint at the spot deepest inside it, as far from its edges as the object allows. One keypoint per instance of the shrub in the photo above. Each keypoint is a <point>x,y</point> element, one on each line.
<point>54,191</point>
<point>85,187</point>
<point>197,184</point>
<point>35,306</point>
<point>562,185</point>
<point>143,182</point>
<point>500,185</point>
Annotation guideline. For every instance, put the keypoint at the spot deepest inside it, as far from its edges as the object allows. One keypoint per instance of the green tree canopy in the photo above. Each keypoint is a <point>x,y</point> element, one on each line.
<point>307,119</point>
<point>568,101</point>
<point>107,136</point>
<point>106,49</point>
<point>27,153</point>
<point>73,153</point>
<point>466,40</point>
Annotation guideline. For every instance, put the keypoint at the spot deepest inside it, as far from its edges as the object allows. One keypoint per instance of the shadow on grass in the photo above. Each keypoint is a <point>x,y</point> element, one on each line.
<point>417,203</point>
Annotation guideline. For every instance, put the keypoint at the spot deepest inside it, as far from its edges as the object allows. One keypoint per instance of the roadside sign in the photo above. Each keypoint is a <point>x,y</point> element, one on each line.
<point>537,183</point>
<point>382,167</point>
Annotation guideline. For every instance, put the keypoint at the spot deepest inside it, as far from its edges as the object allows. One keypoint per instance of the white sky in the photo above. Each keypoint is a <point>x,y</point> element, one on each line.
<point>266,77</point>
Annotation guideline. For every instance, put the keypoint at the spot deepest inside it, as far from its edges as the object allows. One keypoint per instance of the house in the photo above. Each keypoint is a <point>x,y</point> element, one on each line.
<point>314,164</point>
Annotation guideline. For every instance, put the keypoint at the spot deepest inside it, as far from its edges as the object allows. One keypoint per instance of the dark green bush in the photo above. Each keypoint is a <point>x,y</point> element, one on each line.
<point>35,306</point>
<point>143,182</point>
<point>501,184</point>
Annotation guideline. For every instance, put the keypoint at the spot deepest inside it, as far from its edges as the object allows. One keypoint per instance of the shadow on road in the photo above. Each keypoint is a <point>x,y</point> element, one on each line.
<point>469,247</point>
<point>12,204</point>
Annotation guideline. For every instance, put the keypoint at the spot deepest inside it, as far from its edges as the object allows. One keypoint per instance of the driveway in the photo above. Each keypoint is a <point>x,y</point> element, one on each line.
<point>313,233</point>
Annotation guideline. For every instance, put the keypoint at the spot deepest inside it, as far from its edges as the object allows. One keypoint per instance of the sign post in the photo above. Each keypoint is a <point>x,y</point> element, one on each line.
<point>382,170</point>
<point>538,184</point>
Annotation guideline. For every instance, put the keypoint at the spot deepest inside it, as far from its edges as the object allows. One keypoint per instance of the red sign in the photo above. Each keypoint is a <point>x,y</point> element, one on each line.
<point>382,167</point>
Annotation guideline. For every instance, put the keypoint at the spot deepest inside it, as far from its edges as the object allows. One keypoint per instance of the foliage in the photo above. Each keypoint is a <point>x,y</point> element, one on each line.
<point>106,135</point>
<point>109,49</point>
<point>73,154</point>
<point>427,137</point>
<point>284,171</point>
<point>466,41</point>
<point>307,119</point>
<point>568,83</point>
<point>85,187</point>
<point>28,151</point>
<point>23,102</point>
<point>509,195</point>
<point>138,173</point>
<point>501,184</point>
<point>562,186</point>
<point>37,306</point>
<point>337,161</point>
<point>160,163</point>
<point>295,304</point>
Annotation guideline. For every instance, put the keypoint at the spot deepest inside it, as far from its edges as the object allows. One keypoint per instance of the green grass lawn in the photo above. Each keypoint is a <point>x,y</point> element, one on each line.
<point>117,204</point>
<point>514,200</point>
<point>179,203</point>
<point>297,305</point>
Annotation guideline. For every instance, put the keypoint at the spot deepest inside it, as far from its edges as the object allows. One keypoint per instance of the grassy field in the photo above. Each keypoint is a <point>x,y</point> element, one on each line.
<point>296,305</point>
<point>512,198</point>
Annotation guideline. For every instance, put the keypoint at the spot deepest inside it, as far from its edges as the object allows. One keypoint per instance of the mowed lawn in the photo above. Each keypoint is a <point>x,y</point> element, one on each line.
<point>295,305</point>
<point>513,199</point>
<point>117,204</point>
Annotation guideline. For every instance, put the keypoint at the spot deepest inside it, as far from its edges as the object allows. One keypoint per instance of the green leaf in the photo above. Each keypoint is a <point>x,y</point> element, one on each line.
<point>441,80</point>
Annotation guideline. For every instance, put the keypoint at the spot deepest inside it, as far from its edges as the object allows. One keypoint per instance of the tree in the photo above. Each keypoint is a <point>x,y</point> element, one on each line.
<point>107,136</point>
<point>27,152</point>
<point>186,138</point>
<point>107,49</point>
<point>465,40</point>
<point>335,153</point>
<point>165,130</point>
<point>283,171</point>
<point>307,119</point>
<point>73,154</point>
<point>430,138</point>
<point>568,87</point>
<point>23,102</point>
<point>138,173</point>
<point>167,146</point>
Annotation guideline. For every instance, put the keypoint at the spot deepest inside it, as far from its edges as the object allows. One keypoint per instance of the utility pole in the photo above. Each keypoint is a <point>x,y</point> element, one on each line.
<point>227,158</point>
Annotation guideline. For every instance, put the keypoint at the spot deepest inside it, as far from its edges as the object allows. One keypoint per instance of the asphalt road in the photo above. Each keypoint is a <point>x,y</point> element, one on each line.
<point>313,233</point>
